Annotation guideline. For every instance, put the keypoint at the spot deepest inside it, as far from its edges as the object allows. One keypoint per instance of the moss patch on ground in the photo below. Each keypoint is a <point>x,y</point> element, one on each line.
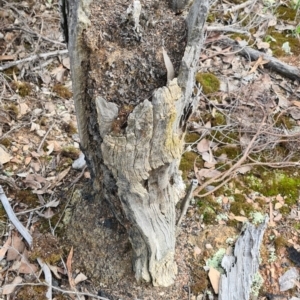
<point>209,82</point>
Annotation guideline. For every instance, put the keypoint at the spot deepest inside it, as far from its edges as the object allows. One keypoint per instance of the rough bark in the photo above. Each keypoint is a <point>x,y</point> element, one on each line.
<point>133,144</point>
<point>242,266</point>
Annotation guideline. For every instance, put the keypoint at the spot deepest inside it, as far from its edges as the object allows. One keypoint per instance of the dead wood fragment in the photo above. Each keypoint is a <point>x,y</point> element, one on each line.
<point>274,64</point>
<point>241,267</point>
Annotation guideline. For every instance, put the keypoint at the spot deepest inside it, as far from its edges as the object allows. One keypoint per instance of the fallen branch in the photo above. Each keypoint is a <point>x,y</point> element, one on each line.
<point>273,63</point>
<point>33,57</point>
<point>241,267</point>
<point>11,215</point>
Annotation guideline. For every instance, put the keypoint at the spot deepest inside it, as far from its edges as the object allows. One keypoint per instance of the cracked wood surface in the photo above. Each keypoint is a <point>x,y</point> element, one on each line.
<point>133,146</point>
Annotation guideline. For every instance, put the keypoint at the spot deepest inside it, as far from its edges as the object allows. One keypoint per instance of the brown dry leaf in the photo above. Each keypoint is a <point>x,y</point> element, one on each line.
<point>263,45</point>
<point>79,278</point>
<point>54,270</point>
<point>17,247</point>
<point>295,113</point>
<point>283,102</point>
<point>4,156</point>
<point>207,173</point>
<point>27,160</point>
<point>214,277</point>
<point>10,288</point>
<point>48,214</point>
<point>69,268</point>
<point>209,165</point>
<point>56,145</point>
<point>50,149</point>
<point>278,218</point>
<point>59,73</point>
<point>203,145</point>
<point>7,57</point>
<point>243,169</point>
<point>5,247</point>
<point>87,175</point>
<point>26,267</point>
<point>280,198</point>
<point>23,109</point>
<point>208,157</point>
<point>60,177</point>
<point>197,251</point>
<point>296,103</point>
<point>240,219</point>
<point>259,63</point>
<point>271,221</point>
<point>66,62</point>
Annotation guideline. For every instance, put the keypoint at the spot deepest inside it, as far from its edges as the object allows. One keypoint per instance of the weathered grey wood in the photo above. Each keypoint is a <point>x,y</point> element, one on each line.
<point>241,267</point>
<point>136,169</point>
<point>274,64</point>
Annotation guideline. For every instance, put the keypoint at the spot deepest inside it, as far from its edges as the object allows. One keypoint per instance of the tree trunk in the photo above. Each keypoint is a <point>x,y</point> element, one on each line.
<point>132,113</point>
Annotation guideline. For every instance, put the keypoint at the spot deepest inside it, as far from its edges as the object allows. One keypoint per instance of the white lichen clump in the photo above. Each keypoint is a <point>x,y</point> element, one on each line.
<point>257,283</point>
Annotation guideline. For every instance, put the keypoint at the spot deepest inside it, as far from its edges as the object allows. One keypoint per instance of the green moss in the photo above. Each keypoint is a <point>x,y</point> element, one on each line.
<point>71,152</point>
<point>224,136</point>
<point>280,242</point>
<point>284,210</point>
<point>218,120</point>
<point>69,128</point>
<point>296,226</point>
<point>209,82</point>
<point>286,13</point>
<point>43,121</point>
<point>46,247</point>
<point>240,205</point>
<point>37,292</point>
<point>10,72</point>
<point>272,183</point>
<point>3,215</point>
<point>284,120</point>
<point>187,163</point>
<point>211,18</point>
<point>28,198</point>
<point>64,163</point>
<point>200,281</point>
<point>207,209</point>
<point>191,137</point>
<point>232,151</point>
<point>62,91</point>
<point>12,109</point>
<point>279,38</point>
<point>6,142</point>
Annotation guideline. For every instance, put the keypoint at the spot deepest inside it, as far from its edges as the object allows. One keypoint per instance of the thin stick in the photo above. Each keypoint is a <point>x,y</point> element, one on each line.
<point>36,34</point>
<point>11,215</point>
<point>48,277</point>
<point>231,171</point>
<point>33,57</point>
<point>44,138</point>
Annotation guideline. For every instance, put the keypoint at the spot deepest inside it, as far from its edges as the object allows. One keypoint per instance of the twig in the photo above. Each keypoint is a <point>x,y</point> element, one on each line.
<point>227,29</point>
<point>187,200</point>
<point>11,215</point>
<point>230,172</point>
<point>44,138</point>
<point>35,34</point>
<point>240,6</point>
<point>33,57</point>
<point>48,277</point>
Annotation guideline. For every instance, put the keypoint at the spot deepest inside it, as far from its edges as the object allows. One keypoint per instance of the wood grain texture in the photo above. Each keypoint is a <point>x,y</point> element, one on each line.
<point>241,267</point>
<point>133,147</point>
